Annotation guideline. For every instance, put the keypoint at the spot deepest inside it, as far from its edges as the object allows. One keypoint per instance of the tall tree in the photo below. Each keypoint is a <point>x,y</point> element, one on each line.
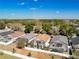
<point>2,25</point>
<point>67,30</point>
<point>16,26</point>
<point>28,28</point>
<point>47,28</point>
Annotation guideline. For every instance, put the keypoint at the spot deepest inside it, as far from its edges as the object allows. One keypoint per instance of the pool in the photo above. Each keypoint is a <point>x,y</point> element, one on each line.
<point>5,39</point>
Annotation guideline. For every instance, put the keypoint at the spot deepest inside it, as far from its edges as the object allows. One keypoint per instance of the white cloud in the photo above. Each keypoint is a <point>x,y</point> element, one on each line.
<point>35,0</point>
<point>33,8</point>
<point>21,3</point>
<point>12,14</point>
<point>57,12</point>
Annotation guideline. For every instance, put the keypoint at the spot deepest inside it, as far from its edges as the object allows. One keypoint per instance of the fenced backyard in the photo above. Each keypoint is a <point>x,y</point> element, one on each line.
<point>39,55</point>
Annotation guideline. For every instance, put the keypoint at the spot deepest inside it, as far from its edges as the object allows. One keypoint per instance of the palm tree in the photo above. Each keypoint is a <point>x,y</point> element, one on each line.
<point>37,44</point>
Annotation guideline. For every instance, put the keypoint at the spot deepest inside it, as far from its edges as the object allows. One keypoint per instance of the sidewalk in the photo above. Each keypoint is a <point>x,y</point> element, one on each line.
<point>17,55</point>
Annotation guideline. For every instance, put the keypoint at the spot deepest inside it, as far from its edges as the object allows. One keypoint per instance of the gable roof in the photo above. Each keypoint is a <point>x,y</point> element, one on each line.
<point>75,40</point>
<point>43,37</point>
<point>30,36</point>
<point>6,33</point>
<point>60,39</point>
<point>16,34</point>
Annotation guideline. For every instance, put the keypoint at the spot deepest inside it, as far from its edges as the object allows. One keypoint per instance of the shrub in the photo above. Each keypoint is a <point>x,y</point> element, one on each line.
<point>1,53</point>
<point>57,50</point>
<point>28,28</point>
<point>21,43</point>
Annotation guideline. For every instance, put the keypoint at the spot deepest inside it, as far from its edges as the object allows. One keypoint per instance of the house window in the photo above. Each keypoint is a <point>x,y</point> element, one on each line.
<point>59,45</point>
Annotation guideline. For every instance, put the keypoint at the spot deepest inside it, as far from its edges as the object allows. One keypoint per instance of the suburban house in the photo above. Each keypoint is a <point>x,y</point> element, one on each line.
<point>75,42</point>
<point>8,37</point>
<point>59,42</point>
<point>37,39</point>
<point>42,40</point>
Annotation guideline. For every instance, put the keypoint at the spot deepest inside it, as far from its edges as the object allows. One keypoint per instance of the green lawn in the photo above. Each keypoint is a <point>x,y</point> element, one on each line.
<point>5,56</point>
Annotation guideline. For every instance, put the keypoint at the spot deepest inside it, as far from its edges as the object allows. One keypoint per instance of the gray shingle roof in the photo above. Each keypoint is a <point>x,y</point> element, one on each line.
<point>29,36</point>
<point>6,33</point>
<point>75,40</point>
<point>60,39</point>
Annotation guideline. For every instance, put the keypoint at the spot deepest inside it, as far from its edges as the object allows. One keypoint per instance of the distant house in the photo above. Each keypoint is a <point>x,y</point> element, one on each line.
<point>5,30</point>
<point>38,27</point>
<point>59,42</point>
<point>76,26</point>
<point>75,41</point>
<point>55,29</point>
<point>16,26</point>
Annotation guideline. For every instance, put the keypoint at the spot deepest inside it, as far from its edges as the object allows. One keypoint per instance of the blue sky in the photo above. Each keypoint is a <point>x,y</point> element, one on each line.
<point>39,9</point>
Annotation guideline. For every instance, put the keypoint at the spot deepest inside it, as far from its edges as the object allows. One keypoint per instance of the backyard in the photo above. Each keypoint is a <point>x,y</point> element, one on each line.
<point>26,52</point>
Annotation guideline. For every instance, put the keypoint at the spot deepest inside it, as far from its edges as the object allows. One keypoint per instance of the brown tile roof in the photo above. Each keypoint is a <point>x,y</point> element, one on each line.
<point>16,34</point>
<point>43,37</point>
